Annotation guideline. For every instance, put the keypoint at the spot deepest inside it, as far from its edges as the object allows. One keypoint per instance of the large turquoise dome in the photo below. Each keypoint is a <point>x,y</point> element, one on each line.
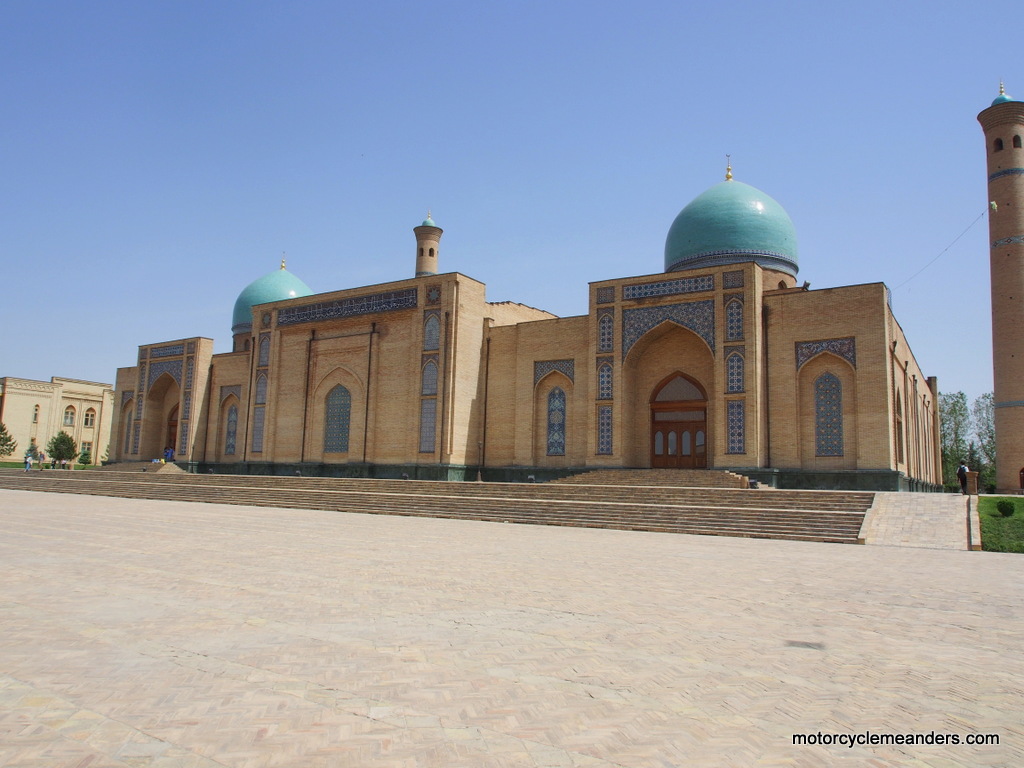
<point>275,286</point>
<point>731,223</point>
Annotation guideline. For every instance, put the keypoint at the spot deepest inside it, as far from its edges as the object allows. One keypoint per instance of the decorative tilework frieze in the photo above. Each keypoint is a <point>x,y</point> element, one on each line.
<point>337,419</point>
<point>1014,240</point>
<point>138,405</point>
<point>732,279</point>
<point>844,348</point>
<point>605,359</point>
<point>259,416</point>
<point>428,425</point>
<point>232,389</point>
<point>431,330</point>
<point>182,448</point>
<point>734,319</point>
<point>604,382</point>
<point>137,430</point>
<point>168,351</point>
<point>190,369</point>
<point>186,406</point>
<point>126,396</point>
<point>433,295</point>
<point>1006,172</point>
<point>736,427</point>
<point>604,430</point>
<point>431,357</point>
<point>1010,404</point>
<point>156,370</point>
<point>605,294</point>
<point>263,360</point>
<point>669,287</point>
<point>359,305</point>
<point>697,316</point>
<point>542,368</point>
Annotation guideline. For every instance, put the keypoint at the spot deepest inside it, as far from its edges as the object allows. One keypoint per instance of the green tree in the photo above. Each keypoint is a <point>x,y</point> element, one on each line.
<point>33,450</point>
<point>984,423</point>
<point>61,447</point>
<point>8,444</point>
<point>956,427</point>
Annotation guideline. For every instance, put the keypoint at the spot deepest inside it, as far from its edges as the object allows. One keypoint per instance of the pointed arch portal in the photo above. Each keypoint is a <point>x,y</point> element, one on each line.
<point>679,423</point>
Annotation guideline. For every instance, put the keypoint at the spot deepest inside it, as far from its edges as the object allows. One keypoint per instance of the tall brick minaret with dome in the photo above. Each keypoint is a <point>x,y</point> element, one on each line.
<point>1003,124</point>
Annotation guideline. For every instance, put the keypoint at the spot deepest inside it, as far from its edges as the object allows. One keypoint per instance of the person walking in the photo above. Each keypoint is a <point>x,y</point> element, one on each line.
<point>961,475</point>
<point>28,462</point>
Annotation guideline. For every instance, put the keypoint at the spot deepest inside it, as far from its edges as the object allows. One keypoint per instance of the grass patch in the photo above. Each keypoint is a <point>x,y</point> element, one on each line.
<point>1000,533</point>
<point>35,465</point>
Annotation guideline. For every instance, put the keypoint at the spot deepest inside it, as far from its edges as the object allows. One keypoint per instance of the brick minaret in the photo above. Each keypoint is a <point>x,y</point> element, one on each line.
<point>1003,123</point>
<point>428,240</point>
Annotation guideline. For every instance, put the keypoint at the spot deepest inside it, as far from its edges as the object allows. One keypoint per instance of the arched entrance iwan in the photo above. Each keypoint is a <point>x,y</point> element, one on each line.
<point>679,423</point>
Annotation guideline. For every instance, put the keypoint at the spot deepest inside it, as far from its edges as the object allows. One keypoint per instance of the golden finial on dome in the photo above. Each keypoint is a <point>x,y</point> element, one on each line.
<point>283,257</point>
<point>1002,89</point>
<point>728,167</point>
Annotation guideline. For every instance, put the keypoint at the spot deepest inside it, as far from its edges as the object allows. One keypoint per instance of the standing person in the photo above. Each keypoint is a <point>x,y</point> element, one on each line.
<point>53,462</point>
<point>28,462</point>
<point>961,475</point>
<point>63,463</point>
<point>42,461</point>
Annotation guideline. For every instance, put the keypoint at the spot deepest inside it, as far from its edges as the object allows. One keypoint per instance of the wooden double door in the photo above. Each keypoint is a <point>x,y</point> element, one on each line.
<point>679,438</point>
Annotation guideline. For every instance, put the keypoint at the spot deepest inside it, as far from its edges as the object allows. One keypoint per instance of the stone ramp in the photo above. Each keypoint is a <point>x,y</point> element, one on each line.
<point>671,478</point>
<point>926,520</point>
<point>799,515</point>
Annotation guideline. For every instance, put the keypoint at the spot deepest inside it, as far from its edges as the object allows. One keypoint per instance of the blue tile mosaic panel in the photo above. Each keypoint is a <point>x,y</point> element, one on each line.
<point>606,294</point>
<point>128,435</point>
<point>604,382</point>
<point>428,425</point>
<point>697,316</point>
<point>337,420</point>
<point>232,431</point>
<point>669,287</point>
<point>556,422</point>
<point>429,379</point>
<point>135,438</point>
<point>190,370</point>
<point>126,396</point>
<point>186,407</point>
<point>138,406</point>
<point>259,416</point>
<point>360,305</point>
<point>732,279</point>
<point>542,368</point>
<point>736,426</point>
<point>1014,240</point>
<point>172,367</point>
<point>604,429</point>
<point>828,415</point>
<point>734,365</point>
<point>844,348</point>
<point>1006,172</point>
<point>606,331</point>
<point>168,351</point>
<point>734,320</point>
<point>261,389</point>
<point>432,332</point>
<point>182,448</point>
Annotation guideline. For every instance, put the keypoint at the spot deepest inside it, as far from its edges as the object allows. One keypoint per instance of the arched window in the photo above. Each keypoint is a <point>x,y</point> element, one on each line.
<point>1016,142</point>
<point>261,389</point>
<point>69,416</point>
<point>734,320</point>
<point>556,422</point>
<point>734,372</point>
<point>828,415</point>
<point>431,253</point>
<point>432,334</point>
<point>429,379</point>
<point>336,422</point>
<point>606,333</point>
<point>899,429</point>
<point>264,351</point>
<point>231,433</point>
<point>604,382</point>
<point>90,418</point>
<point>35,415</point>
<point>998,145</point>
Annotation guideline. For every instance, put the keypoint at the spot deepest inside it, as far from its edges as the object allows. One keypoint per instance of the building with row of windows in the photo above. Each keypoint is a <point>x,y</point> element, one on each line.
<point>722,360</point>
<point>35,411</point>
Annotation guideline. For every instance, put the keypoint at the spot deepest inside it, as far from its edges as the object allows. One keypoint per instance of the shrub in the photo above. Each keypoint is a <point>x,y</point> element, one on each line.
<point>1005,507</point>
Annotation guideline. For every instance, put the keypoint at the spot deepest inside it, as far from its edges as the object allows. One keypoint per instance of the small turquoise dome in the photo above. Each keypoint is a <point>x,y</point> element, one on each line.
<point>275,286</point>
<point>428,222</point>
<point>1002,98</point>
<point>731,223</point>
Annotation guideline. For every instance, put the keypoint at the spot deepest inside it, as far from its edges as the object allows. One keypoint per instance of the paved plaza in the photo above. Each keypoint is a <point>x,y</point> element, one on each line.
<point>179,635</point>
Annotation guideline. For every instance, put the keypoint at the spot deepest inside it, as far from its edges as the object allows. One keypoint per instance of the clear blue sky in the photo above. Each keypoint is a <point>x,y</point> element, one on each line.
<point>156,157</point>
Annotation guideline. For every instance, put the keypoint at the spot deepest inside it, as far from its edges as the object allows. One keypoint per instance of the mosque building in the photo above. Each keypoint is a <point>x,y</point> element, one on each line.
<point>724,360</point>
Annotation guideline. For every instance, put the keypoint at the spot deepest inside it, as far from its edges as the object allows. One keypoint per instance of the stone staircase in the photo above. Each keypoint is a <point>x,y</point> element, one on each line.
<point>801,515</point>
<point>668,478</point>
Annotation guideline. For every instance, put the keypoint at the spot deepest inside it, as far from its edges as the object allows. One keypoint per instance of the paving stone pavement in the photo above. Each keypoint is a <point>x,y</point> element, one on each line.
<point>178,635</point>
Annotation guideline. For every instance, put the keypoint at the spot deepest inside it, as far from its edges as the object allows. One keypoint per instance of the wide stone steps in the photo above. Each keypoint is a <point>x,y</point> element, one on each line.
<point>649,509</point>
<point>673,478</point>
